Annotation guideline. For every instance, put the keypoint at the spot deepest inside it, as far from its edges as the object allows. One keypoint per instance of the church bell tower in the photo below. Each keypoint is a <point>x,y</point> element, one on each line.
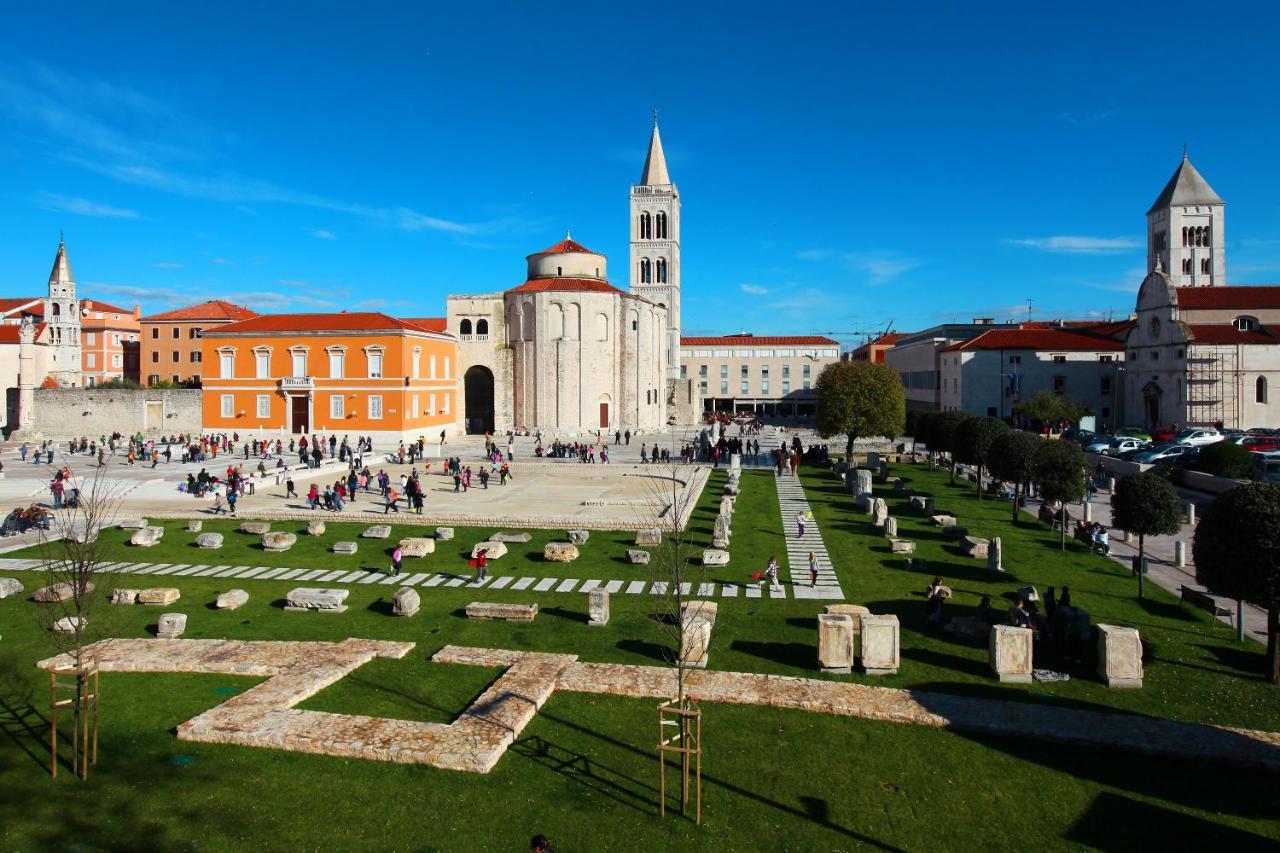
<point>655,243</point>
<point>62,314</point>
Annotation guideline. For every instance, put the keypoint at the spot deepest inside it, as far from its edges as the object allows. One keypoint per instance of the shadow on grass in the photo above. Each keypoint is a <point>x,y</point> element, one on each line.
<point>644,648</point>
<point>933,657</point>
<point>382,607</point>
<point>801,655</point>
<point>1166,610</point>
<point>1118,823</point>
<point>563,613</point>
<point>1247,660</point>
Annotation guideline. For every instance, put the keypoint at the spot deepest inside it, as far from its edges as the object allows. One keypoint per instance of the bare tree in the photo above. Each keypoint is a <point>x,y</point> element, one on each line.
<point>76,586</point>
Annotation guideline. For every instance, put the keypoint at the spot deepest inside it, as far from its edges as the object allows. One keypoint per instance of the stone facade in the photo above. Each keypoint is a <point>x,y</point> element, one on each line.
<point>94,412</point>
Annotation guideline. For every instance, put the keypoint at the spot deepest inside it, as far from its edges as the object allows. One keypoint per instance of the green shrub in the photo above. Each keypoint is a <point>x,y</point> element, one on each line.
<point>1224,459</point>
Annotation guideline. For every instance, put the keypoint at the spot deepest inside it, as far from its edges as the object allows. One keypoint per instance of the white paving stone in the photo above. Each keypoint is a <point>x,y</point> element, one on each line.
<point>567,585</point>
<point>370,577</point>
<point>311,575</point>
<point>271,574</point>
<point>729,590</point>
<point>658,588</point>
<point>388,579</point>
<point>291,574</point>
<point>353,576</point>
<point>502,582</point>
<point>544,584</point>
<point>434,581</point>
<point>456,582</point>
<point>234,572</point>
<point>523,583</point>
<point>327,578</point>
<point>613,586</point>
<point>587,586</point>
<point>191,570</point>
<point>706,589</point>
<point>476,584</point>
<point>636,587</point>
<point>753,591</point>
<point>211,570</point>
<point>414,580</point>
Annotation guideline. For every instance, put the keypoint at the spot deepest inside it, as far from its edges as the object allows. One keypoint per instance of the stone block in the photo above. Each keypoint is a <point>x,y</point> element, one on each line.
<point>862,481</point>
<point>121,595</point>
<point>560,552</point>
<point>879,512</point>
<point>637,557</point>
<point>720,530</point>
<point>731,489</point>
<point>132,523</point>
<point>512,536</point>
<point>417,546</point>
<point>578,537</point>
<point>942,520</point>
<point>171,626</point>
<point>345,547</point>
<point>917,502</point>
<point>61,591</point>
<point>598,607</point>
<point>955,531</point>
<point>82,537</point>
<point>695,641</point>
<point>377,531</point>
<point>159,595</point>
<point>444,533</point>
<point>902,546</point>
<point>492,550</point>
<point>194,525</point>
<point>315,527</point>
<point>68,624</point>
<point>147,536</point>
<point>853,611</point>
<point>649,536</point>
<point>880,647</point>
<point>726,506</point>
<point>1009,653</point>
<point>974,546</point>
<point>255,528</point>
<point>278,540</point>
<point>406,602</point>
<point>995,555</point>
<point>209,540</point>
<point>700,607</point>
<point>304,598</point>
<point>835,643</point>
<point>891,527</point>
<point>715,557</point>
<point>487,610</point>
<point>232,599</point>
<point>1119,656</point>
<point>735,461</point>
<point>9,586</point>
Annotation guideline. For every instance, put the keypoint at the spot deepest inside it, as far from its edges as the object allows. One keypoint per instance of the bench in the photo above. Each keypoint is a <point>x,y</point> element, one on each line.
<point>1206,602</point>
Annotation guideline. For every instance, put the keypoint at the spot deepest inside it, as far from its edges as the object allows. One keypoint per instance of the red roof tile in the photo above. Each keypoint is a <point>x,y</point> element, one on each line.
<point>431,324</point>
<point>1222,333</point>
<point>566,246</point>
<point>9,332</point>
<point>354,321</point>
<point>214,309</point>
<point>756,340</point>
<point>582,285</point>
<point>1037,339</point>
<point>14,303</point>
<point>1233,296</point>
<point>97,306</point>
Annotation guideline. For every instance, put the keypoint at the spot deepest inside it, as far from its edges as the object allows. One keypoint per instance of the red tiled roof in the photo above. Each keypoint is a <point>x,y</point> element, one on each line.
<point>581,285</point>
<point>431,324</point>
<point>1037,339</point>
<point>566,246</point>
<point>354,321</point>
<point>1222,333</point>
<point>214,309</point>
<point>750,340</point>
<point>1233,296</point>
<point>9,332</point>
<point>14,303</point>
<point>105,307</point>
<point>50,382</point>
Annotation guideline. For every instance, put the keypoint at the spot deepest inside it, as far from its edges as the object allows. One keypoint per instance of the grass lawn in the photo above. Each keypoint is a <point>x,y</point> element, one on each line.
<point>584,771</point>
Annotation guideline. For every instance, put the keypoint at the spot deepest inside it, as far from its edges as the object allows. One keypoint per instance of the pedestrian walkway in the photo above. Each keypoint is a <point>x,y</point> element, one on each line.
<point>792,502</point>
<point>342,577</point>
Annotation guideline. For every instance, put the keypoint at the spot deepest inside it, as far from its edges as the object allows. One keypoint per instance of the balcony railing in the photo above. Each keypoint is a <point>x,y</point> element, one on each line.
<point>297,383</point>
<point>473,338</point>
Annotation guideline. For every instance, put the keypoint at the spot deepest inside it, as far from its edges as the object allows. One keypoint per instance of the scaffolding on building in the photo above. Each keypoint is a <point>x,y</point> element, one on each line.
<point>1212,377</point>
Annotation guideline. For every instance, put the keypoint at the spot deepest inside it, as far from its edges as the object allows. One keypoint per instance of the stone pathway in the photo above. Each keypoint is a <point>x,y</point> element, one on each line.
<point>342,577</point>
<point>792,502</point>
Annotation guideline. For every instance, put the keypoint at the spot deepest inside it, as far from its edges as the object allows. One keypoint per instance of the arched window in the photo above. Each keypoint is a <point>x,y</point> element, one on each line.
<point>57,309</point>
<point>1184,235</point>
<point>1186,266</point>
<point>1245,324</point>
<point>464,328</point>
<point>602,327</point>
<point>646,276</point>
<point>482,327</point>
<point>662,270</point>
<point>662,226</point>
<point>1260,390</point>
<point>1208,232</point>
<point>646,227</point>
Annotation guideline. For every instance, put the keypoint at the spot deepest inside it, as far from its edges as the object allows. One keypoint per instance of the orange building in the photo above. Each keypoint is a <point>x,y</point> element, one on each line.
<point>109,342</point>
<point>170,348</point>
<point>361,373</point>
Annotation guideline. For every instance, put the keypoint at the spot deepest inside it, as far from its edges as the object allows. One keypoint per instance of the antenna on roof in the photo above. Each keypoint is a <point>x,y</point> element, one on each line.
<point>1028,309</point>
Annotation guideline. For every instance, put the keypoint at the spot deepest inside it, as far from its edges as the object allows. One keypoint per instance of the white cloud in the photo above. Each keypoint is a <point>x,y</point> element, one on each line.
<point>82,206</point>
<point>1079,245</point>
<point>814,254</point>
<point>167,265</point>
<point>322,234</point>
<point>880,270</point>
<point>372,304</point>
<point>292,282</point>
<point>223,262</point>
<point>753,289</point>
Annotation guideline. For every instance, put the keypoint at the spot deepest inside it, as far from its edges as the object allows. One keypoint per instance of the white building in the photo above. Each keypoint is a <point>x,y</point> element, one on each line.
<point>1201,353</point>
<point>757,375</point>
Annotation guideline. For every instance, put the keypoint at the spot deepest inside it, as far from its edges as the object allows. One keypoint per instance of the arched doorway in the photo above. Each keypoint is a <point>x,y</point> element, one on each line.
<point>478,398</point>
<point>604,411</point>
<point>1151,394</point>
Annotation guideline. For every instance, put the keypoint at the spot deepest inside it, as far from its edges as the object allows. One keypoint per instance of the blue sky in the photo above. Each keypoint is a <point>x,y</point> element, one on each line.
<point>842,166</point>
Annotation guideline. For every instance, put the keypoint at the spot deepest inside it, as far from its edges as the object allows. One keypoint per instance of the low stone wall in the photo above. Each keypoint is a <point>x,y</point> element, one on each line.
<point>75,412</point>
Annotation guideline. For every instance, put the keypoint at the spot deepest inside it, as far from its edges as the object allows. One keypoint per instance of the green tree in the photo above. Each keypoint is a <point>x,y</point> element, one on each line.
<point>1048,408</point>
<point>1224,459</point>
<point>859,399</point>
<point>1013,457</point>
<point>1237,553</point>
<point>1146,504</point>
<point>973,440</point>
<point>1059,469</point>
<point>920,433</point>
<point>942,432</point>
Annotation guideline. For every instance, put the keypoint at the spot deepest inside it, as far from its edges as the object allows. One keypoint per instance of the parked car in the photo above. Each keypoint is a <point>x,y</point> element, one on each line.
<point>1083,436</point>
<point>1266,466</point>
<point>1135,432</point>
<point>1262,431</point>
<point>1188,456</point>
<point>1162,433</point>
<point>1198,436</point>
<point>1252,442</point>
<point>1162,453</point>
<point>1124,445</point>
<point>1100,444</point>
<point>1129,454</point>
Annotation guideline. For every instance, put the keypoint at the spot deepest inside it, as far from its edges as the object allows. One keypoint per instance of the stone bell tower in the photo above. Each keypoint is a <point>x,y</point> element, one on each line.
<point>655,243</point>
<point>62,314</point>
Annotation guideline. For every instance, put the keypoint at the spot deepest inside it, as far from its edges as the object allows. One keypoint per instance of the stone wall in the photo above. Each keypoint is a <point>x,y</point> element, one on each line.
<point>75,412</point>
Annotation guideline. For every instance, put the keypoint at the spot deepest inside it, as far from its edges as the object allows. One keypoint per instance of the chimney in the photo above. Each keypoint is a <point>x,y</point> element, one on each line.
<point>137,312</point>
